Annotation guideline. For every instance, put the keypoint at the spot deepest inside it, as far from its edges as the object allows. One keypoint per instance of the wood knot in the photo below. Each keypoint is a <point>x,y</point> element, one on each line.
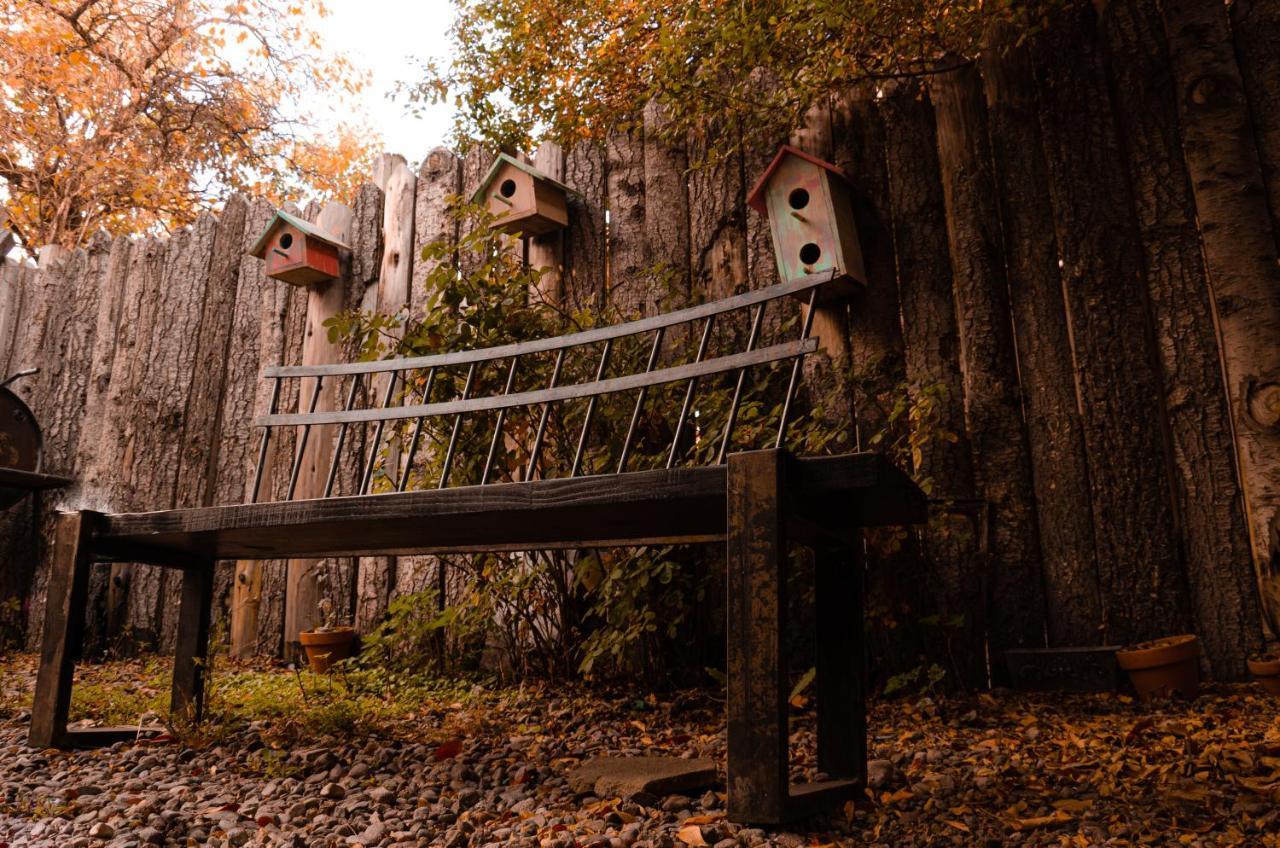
<point>1264,405</point>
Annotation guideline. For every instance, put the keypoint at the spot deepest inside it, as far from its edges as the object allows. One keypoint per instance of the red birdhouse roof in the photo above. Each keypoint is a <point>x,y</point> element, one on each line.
<point>756,198</point>
<point>309,229</point>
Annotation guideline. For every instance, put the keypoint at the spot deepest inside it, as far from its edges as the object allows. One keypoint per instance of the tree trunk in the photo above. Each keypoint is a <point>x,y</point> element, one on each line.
<point>992,399</point>
<point>1240,254</point>
<point>1073,601</point>
<point>1143,584</point>
<point>1218,559</point>
<point>942,464</point>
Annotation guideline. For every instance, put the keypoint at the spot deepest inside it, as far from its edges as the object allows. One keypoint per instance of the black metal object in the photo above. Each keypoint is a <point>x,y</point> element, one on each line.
<point>21,448</point>
<point>1090,669</point>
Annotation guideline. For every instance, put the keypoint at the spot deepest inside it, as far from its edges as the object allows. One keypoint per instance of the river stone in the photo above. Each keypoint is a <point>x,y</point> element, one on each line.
<point>612,777</point>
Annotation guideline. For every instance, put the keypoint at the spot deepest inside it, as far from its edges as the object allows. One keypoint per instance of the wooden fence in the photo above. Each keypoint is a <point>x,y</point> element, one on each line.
<point>1072,255</point>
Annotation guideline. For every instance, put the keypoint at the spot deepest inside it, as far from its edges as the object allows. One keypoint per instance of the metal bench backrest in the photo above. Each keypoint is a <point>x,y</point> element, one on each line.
<point>404,380</point>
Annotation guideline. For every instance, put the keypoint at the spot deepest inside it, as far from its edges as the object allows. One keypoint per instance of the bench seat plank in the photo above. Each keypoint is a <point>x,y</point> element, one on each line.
<point>644,507</point>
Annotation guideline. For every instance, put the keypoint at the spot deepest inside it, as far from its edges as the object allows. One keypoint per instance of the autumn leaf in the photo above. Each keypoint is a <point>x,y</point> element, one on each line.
<point>691,835</point>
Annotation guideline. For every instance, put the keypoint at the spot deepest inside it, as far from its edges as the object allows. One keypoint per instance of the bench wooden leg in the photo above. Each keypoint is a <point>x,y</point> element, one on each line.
<point>842,715</point>
<point>192,652</point>
<point>63,627</point>
<point>756,552</point>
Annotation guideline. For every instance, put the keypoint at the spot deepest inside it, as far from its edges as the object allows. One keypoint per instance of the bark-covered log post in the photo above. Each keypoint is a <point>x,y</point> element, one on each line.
<point>631,288</point>
<point>992,396</point>
<point>1219,564</point>
<point>666,205</point>
<point>376,576</point>
<point>303,587</point>
<point>584,278</point>
<point>546,252</point>
<point>1073,599</point>
<point>1240,252</point>
<point>1141,574</point>
<point>1255,26</point>
<point>944,464</point>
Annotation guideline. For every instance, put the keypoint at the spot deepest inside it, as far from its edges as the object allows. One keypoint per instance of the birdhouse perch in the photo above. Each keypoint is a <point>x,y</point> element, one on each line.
<point>298,252</point>
<point>523,199</point>
<point>810,207</point>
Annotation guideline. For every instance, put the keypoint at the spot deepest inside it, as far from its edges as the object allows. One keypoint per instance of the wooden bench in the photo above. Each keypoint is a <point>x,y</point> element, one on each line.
<point>757,502</point>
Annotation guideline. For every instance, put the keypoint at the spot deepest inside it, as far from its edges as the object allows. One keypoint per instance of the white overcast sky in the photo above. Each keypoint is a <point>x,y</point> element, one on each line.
<point>384,37</point>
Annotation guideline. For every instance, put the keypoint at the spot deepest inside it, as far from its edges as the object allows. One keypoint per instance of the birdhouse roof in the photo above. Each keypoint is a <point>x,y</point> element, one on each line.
<point>309,229</point>
<point>756,198</point>
<point>504,159</point>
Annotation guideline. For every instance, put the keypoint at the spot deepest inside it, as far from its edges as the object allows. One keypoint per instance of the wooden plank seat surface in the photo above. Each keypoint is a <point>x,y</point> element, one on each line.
<point>756,502</point>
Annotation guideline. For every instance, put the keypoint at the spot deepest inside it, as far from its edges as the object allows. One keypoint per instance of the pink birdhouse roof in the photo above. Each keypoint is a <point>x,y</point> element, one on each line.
<point>756,198</point>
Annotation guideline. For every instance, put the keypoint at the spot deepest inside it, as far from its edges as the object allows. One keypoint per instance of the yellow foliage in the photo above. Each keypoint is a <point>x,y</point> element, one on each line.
<point>135,115</point>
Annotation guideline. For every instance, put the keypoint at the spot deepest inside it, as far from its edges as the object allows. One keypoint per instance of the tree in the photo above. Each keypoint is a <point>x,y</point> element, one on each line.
<point>581,67</point>
<point>131,115</point>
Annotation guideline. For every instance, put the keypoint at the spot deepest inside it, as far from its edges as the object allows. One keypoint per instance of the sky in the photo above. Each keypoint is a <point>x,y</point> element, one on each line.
<point>384,37</point>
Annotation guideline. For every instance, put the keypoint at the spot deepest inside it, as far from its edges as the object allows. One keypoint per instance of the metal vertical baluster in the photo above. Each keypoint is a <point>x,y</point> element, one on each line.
<point>266,437</point>
<point>417,433</point>
<point>795,370</point>
<point>591,411</point>
<point>367,478</point>
<point>302,442</point>
<point>737,389</point>
<point>342,437</point>
<point>502,417</point>
<point>542,422</point>
<point>457,425</point>
<point>688,393</point>
<point>635,413</point>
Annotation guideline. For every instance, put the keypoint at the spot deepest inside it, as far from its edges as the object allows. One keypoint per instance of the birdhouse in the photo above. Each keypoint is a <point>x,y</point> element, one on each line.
<point>522,198</point>
<point>810,207</point>
<point>297,252</point>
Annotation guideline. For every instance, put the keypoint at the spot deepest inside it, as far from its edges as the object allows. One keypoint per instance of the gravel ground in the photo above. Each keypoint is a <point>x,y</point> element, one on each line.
<point>990,770</point>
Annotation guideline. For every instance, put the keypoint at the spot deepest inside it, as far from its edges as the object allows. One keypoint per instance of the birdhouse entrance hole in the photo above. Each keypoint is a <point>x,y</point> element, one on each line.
<point>799,198</point>
<point>810,253</point>
<point>507,188</point>
<point>286,241</point>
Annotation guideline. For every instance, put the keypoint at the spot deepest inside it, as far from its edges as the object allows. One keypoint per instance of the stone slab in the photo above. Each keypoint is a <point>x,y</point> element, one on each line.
<point>623,777</point>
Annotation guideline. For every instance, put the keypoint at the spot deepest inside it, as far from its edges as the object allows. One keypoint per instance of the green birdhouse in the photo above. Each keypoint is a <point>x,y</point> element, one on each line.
<point>523,199</point>
<point>810,207</point>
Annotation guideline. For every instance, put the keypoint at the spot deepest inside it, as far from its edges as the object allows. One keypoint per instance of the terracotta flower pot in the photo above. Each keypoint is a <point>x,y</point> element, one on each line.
<point>1267,672</point>
<point>1163,667</point>
<point>326,647</point>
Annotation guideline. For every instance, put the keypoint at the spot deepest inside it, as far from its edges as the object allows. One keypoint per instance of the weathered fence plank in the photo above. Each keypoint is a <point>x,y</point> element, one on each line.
<point>1120,392</point>
<point>933,370</point>
<point>1073,600</point>
<point>632,290</point>
<point>1240,253</point>
<point>666,205</point>
<point>1255,26</point>
<point>1218,558</point>
<point>992,398</point>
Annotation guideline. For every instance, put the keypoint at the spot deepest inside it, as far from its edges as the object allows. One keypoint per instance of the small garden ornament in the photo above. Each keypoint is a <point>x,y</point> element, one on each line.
<point>329,643</point>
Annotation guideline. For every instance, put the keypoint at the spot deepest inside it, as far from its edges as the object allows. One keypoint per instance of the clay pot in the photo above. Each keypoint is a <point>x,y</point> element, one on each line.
<point>1267,672</point>
<point>326,647</point>
<point>1163,667</point>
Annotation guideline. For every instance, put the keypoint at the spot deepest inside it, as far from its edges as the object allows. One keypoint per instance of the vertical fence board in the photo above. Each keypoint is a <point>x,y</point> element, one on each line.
<point>1240,254</point>
<point>632,290</point>
<point>1120,393</point>
<point>666,206</point>
<point>933,367</point>
<point>1073,599</point>
<point>992,398</point>
<point>375,576</point>
<point>1219,562</point>
<point>1255,28</point>
<point>584,251</point>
